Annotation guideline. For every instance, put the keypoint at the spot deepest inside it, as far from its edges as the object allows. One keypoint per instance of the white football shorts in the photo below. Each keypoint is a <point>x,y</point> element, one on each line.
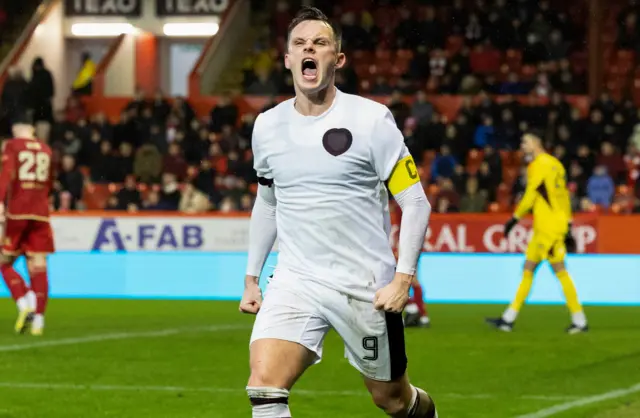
<point>302,311</point>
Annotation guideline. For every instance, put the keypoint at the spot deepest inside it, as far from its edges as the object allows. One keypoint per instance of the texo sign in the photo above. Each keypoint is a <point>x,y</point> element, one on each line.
<point>190,7</point>
<point>129,8</point>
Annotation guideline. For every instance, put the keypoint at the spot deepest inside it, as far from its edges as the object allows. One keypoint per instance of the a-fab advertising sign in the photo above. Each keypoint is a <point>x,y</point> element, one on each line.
<point>127,8</point>
<point>477,235</point>
<point>143,233</point>
<point>126,233</point>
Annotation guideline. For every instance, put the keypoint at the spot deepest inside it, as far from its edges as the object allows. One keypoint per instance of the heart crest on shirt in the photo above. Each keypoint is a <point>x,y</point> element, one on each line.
<point>337,141</point>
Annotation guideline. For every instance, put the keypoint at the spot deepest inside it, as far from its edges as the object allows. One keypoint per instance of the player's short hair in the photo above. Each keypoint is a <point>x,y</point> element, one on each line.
<point>535,133</point>
<point>313,13</point>
<point>22,118</point>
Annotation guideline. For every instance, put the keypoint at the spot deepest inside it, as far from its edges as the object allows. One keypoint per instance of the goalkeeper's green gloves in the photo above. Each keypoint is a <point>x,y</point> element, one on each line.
<point>570,241</point>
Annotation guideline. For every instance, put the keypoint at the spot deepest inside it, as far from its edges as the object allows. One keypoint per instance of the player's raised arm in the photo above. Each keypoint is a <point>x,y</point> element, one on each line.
<point>262,228</point>
<point>396,167</point>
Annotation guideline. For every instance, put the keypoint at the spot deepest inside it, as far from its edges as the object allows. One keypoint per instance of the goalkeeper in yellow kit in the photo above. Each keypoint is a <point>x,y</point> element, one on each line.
<point>547,197</point>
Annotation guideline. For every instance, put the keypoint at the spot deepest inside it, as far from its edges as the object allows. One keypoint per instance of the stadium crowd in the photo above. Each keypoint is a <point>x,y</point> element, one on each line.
<point>169,159</point>
<point>441,47</point>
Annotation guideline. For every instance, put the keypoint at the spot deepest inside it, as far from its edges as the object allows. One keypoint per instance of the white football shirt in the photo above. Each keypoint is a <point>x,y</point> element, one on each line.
<point>332,205</point>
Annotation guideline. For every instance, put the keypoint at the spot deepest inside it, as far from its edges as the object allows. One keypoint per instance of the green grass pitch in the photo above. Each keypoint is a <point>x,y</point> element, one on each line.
<point>188,359</point>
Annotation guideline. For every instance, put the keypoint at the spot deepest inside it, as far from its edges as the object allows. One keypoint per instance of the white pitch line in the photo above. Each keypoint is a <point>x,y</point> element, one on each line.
<point>588,400</point>
<point>304,392</point>
<point>114,336</point>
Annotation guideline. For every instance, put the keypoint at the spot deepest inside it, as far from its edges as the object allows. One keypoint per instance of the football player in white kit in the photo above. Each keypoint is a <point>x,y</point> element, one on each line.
<point>323,160</point>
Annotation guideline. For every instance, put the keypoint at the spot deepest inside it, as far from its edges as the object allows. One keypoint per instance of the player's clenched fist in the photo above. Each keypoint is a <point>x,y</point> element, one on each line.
<point>252,296</point>
<point>394,296</point>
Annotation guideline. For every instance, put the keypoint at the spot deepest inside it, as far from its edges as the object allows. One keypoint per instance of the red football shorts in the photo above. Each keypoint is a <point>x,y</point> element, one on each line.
<point>26,236</point>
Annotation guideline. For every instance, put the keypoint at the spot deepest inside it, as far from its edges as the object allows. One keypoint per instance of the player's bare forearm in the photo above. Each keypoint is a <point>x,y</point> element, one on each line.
<point>250,280</point>
<point>403,279</point>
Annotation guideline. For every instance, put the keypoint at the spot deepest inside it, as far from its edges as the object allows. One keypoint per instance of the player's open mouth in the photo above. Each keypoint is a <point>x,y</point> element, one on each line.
<point>309,69</point>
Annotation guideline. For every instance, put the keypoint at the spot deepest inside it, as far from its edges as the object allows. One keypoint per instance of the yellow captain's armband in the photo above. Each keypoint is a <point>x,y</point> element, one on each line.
<point>404,175</point>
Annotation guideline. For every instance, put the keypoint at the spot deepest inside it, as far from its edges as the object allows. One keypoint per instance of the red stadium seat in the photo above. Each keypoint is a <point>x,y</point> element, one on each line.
<point>513,59</point>
<point>474,159</point>
<point>454,44</point>
<point>428,156</point>
<point>404,54</point>
<point>383,55</point>
<point>362,57</point>
<point>509,175</point>
<point>505,157</point>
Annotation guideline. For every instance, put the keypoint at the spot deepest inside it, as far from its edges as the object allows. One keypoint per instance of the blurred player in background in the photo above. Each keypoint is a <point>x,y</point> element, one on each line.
<point>416,310</point>
<point>547,197</point>
<point>25,184</point>
<point>322,161</point>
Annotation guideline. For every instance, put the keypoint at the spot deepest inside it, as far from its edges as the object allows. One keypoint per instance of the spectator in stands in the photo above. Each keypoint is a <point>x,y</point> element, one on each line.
<point>14,98</point>
<point>488,181</point>
<point>534,50</point>
<point>485,133</point>
<point>473,200</point>
<point>594,129</point>
<point>613,161</point>
<point>152,202</point>
<point>224,113</point>
<point>381,87</point>
<point>444,163</point>
<point>421,109</point>
<point>579,177</point>
<point>72,144</point>
<point>430,30</point>
<point>474,33</point>
<point>129,197</point>
<point>174,162</point>
<point>100,123</point>
<point>507,133</point>
<point>147,164</point>
<point>498,29</point>
<point>74,110</point>
<point>138,103</point>
<point>514,86</point>
<point>182,110</point>
<point>399,109</point>
<point>263,85</point>
<point>83,84</point>
<point>126,129</point>
<point>71,180</point>
<point>459,17</point>
<point>447,199</point>
<point>628,36</point>
<point>104,168</point>
<point>204,181</point>
<point>600,188</point>
<point>354,36</point>
<point>170,191</point>
<point>557,48</point>
<point>438,63</point>
<point>90,149</point>
<point>193,200</point>
<point>160,107</point>
<point>41,92</point>
<point>124,162</point>
<point>112,203</point>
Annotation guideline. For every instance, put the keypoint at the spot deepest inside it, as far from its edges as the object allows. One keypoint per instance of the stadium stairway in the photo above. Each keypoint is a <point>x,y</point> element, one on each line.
<point>232,77</point>
<point>18,15</point>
